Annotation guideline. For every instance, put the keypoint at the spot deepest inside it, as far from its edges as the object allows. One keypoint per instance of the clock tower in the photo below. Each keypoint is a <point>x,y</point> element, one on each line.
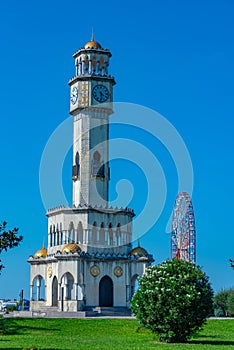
<point>89,262</point>
<point>91,97</point>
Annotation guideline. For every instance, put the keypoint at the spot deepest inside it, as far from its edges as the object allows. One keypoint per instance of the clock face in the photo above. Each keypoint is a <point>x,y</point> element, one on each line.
<point>74,94</point>
<point>101,93</point>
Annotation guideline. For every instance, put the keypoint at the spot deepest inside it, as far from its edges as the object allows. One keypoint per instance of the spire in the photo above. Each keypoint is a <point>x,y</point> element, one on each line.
<point>139,243</point>
<point>92,37</point>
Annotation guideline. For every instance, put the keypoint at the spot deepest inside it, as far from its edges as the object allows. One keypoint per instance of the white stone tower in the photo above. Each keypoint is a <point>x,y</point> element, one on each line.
<point>90,104</point>
<point>89,261</point>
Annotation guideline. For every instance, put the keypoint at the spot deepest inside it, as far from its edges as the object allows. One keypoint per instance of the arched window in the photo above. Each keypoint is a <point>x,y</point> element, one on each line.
<point>97,166</point>
<point>80,232</point>
<point>76,167</point>
<point>94,232</point>
<point>38,292</point>
<point>102,234</point>
<point>96,156</point>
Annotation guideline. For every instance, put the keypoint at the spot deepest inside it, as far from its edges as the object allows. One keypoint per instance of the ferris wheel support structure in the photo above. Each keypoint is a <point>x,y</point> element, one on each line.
<point>183,236</point>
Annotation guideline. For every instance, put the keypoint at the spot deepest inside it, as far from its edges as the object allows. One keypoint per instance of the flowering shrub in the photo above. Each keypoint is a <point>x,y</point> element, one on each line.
<point>174,299</point>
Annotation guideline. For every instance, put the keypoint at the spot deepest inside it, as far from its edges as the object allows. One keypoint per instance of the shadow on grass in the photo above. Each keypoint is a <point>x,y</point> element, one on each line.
<point>211,341</point>
<point>9,326</point>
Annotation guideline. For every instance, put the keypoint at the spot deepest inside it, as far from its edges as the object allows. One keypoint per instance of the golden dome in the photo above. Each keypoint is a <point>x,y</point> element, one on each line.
<point>71,248</point>
<point>139,252</point>
<point>92,44</point>
<point>41,253</point>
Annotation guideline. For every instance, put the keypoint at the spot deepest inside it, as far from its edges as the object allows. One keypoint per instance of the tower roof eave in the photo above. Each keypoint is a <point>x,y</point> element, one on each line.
<point>87,209</point>
<point>93,50</point>
<point>86,77</point>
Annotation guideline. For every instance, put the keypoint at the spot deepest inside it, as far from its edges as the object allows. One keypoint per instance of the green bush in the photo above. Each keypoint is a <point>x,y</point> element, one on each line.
<point>173,300</point>
<point>11,308</point>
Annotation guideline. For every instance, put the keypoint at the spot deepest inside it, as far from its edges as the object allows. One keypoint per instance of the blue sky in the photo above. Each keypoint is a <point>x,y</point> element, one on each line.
<point>175,57</point>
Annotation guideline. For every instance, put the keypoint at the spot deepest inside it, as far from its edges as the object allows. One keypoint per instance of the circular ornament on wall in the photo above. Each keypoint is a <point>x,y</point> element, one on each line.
<point>118,271</point>
<point>94,270</point>
<point>50,272</point>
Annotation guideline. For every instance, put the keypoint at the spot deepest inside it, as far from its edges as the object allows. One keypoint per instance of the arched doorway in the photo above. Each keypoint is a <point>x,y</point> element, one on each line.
<point>55,292</point>
<point>106,292</point>
<point>67,283</point>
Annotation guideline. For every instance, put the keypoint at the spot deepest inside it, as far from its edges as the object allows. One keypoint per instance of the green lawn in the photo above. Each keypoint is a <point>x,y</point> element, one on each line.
<point>104,334</point>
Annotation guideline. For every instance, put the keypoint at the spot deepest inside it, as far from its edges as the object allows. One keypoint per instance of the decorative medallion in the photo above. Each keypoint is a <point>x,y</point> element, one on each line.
<point>118,271</point>
<point>94,270</point>
<point>50,272</point>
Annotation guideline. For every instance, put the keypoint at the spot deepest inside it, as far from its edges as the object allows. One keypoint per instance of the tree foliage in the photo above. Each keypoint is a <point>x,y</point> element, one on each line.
<point>232,263</point>
<point>230,303</point>
<point>224,302</point>
<point>8,239</point>
<point>173,300</point>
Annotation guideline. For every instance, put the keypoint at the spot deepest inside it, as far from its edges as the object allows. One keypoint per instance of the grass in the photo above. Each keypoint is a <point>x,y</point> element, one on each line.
<point>122,334</point>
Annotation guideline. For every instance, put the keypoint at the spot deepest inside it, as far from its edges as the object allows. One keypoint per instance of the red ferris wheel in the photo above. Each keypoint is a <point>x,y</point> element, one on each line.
<point>183,237</point>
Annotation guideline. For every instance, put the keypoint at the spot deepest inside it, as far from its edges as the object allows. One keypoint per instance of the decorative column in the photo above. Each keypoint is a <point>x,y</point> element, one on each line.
<point>38,289</point>
<point>77,291</point>
<point>66,233</point>
<point>76,236</point>
<point>79,68</point>
<point>49,239</point>
<point>60,291</point>
<point>86,236</point>
<point>31,291</point>
<point>66,291</point>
